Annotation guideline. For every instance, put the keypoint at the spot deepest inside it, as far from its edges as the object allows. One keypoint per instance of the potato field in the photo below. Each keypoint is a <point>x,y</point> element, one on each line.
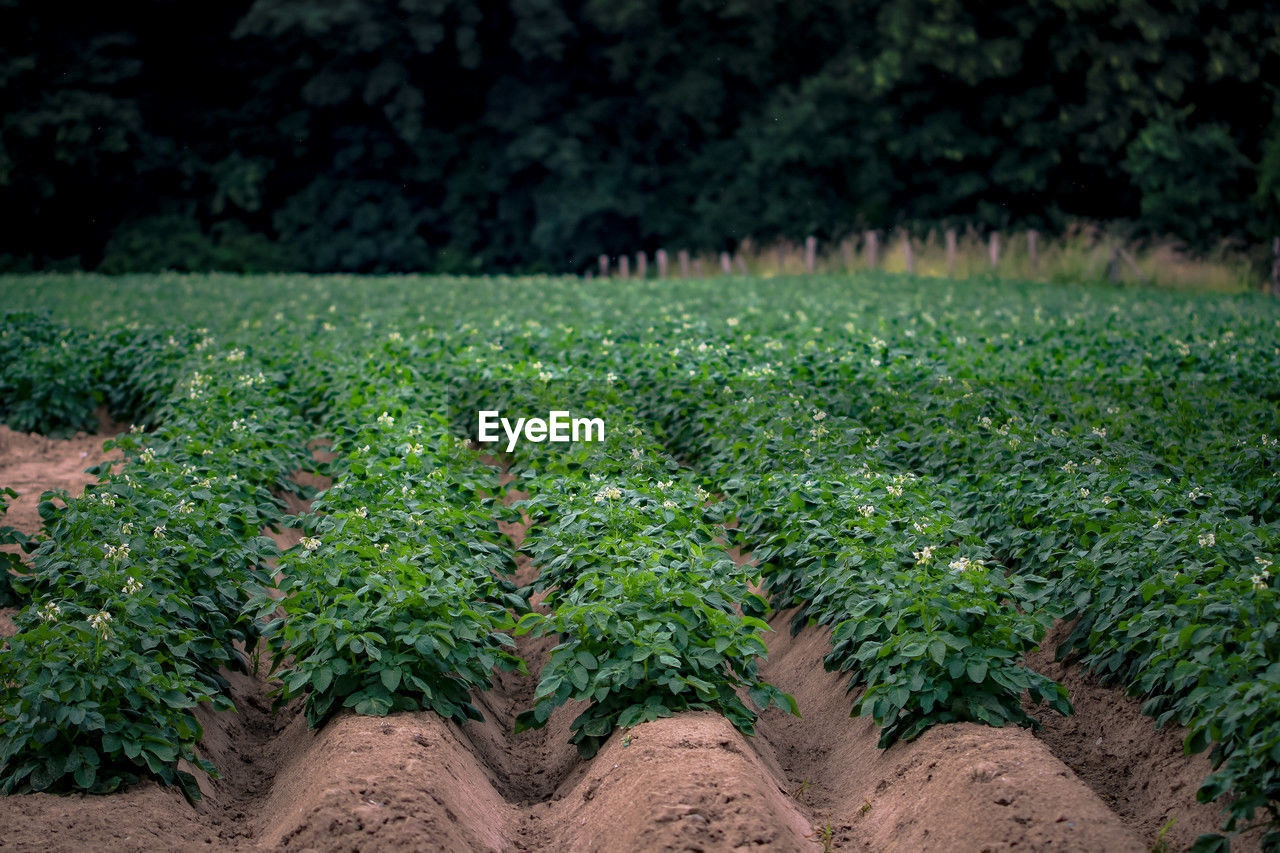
<point>866,562</point>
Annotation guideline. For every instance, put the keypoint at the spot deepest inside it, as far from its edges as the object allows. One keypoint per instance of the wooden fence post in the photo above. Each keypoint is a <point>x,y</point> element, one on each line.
<point>683,256</point>
<point>951,253</point>
<point>873,250</point>
<point>1113,265</point>
<point>642,265</point>
<point>661,257</point>
<point>741,263</point>
<point>697,268</point>
<point>810,254</point>
<point>726,263</point>
<point>1033,237</point>
<point>1133,264</point>
<point>846,253</point>
<point>624,266</point>
<point>1275,267</point>
<point>993,249</point>
<point>907,254</point>
<point>603,261</point>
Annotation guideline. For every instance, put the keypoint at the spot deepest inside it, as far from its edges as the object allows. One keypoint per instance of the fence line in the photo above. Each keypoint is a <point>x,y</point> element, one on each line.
<point>846,250</point>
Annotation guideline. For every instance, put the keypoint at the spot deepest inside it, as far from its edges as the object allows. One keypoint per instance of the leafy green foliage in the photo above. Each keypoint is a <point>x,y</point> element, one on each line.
<point>1191,179</point>
<point>653,617</point>
<point>137,600</point>
<point>53,378</point>
<point>98,708</point>
<point>455,136</point>
<point>396,599</point>
<point>8,562</point>
<point>46,381</point>
<point>934,471</point>
<point>177,242</point>
<point>920,619</point>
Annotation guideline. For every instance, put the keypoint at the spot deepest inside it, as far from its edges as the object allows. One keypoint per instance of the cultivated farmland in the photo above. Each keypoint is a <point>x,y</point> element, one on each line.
<point>871,562</point>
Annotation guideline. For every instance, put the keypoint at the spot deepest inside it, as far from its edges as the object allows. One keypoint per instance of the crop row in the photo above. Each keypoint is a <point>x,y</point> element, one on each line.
<point>138,588</point>
<point>397,597</point>
<point>920,617</point>
<point>652,615</point>
<point>1164,568</point>
<point>1141,509</point>
<point>1161,558</point>
<point>53,380</point>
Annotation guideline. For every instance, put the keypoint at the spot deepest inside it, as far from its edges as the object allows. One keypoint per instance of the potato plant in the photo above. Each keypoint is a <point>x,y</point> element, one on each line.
<point>653,616</point>
<point>397,597</point>
<point>138,589</point>
<point>9,563</point>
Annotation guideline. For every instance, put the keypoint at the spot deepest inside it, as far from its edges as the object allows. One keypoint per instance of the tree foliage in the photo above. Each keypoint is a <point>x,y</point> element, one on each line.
<point>454,135</point>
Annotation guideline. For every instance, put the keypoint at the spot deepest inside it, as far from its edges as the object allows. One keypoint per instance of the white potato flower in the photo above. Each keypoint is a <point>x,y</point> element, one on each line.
<point>608,493</point>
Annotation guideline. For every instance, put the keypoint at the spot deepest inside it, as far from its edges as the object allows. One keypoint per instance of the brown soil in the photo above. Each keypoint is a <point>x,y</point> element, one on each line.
<point>33,464</point>
<point>1140,771</point>
<point>956,787</point>
<point>413,781</point>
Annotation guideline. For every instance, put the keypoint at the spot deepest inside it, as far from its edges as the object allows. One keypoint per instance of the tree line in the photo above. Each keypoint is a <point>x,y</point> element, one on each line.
<point>456,136</point>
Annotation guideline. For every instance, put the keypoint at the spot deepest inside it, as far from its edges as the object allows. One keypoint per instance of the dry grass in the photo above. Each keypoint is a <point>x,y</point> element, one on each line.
<point>1084,254</point>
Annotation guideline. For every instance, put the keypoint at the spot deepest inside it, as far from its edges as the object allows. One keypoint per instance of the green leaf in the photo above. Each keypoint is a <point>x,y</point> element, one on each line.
<point>321,679</point>
<point>976,670</point>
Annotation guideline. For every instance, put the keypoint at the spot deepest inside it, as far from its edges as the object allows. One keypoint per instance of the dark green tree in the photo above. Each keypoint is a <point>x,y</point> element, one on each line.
<point>377,135</point>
